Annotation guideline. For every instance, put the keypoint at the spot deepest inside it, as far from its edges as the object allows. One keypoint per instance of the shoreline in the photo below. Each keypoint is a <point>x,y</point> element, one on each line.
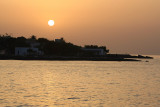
<point>108,57</point>
<point>71,59</point>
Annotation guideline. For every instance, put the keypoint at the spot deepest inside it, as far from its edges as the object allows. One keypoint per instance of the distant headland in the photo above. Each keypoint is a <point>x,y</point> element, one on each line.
<point>21,48</point>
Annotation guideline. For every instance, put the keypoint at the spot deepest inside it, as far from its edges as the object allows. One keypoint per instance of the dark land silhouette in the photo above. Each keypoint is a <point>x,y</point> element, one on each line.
<point>33,48</point>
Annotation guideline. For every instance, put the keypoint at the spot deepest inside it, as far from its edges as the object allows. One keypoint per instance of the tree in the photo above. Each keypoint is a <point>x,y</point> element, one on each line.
<point>33,37</point>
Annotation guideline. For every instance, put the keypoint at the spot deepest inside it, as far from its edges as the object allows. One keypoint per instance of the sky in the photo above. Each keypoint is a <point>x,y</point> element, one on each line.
<point>123,26</point>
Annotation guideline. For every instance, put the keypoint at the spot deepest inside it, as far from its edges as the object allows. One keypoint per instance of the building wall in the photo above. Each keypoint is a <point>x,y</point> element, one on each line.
<point>95,51</point>
<point>23,51</point>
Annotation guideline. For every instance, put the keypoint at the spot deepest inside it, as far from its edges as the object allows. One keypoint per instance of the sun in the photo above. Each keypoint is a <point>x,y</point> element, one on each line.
<point>51,22</point>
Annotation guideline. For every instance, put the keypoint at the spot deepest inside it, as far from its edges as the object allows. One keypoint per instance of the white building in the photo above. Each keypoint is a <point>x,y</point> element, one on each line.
<point>24,51</point>
<point>32,50</point>
<point>96,51</point>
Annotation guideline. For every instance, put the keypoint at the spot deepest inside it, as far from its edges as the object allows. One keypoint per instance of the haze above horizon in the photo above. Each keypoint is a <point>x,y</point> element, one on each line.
<point>123,26</point>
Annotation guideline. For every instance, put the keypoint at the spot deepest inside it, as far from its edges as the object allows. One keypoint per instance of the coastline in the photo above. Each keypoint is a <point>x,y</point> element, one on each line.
<point>108,57</point>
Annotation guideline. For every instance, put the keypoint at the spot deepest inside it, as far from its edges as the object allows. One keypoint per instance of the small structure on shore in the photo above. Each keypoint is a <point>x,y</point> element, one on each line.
<point>94,50</point>
<point>32,50</point>
<point>97,52</point>
<point>27,51</point>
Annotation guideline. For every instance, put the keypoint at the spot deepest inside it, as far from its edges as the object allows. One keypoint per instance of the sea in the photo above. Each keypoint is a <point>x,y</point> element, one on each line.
<point>25,83</point>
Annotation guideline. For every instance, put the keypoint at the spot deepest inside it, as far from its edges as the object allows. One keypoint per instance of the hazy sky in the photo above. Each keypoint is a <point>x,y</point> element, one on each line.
<point>124,26</point>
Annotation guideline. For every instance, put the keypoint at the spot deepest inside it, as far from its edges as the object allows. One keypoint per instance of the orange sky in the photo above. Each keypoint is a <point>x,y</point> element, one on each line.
<point>124,26</point>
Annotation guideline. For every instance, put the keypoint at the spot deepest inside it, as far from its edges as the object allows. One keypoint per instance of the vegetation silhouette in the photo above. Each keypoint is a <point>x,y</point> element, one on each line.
<point>57,49</point>
<point>48,47</point>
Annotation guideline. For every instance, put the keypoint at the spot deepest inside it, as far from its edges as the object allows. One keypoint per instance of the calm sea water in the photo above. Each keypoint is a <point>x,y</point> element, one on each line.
<point>80,83</point>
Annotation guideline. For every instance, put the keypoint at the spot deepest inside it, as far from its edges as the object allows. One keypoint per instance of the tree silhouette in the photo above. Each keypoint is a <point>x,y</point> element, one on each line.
<point>48,47</point>
<point>33,37</point>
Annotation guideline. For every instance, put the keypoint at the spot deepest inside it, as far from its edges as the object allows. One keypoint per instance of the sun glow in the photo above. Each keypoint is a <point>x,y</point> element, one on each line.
<point>51,22</point>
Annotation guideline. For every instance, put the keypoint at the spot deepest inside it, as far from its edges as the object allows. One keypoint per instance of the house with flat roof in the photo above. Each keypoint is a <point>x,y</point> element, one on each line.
<point>97,52</point>
<point>32,50</point>
<point>27,51</point>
